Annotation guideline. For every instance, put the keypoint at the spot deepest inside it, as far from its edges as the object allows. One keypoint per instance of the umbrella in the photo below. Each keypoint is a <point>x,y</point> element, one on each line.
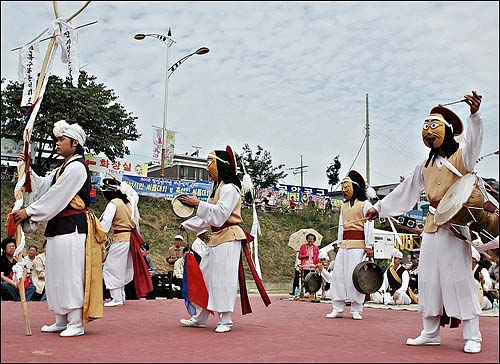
<point>299,237</point>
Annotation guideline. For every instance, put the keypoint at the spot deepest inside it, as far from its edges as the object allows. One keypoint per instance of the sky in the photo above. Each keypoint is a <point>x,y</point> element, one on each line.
<point>291,77</point>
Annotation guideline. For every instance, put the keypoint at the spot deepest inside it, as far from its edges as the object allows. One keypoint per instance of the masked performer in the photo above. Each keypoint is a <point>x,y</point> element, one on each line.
<point>73,269</point>
<point>356,235</point>
<point>445,290</point>
<point>221,264</point>
<point>124,260</point>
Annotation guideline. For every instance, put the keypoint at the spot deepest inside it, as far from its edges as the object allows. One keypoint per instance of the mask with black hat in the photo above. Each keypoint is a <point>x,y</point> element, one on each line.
<point>439,131</point>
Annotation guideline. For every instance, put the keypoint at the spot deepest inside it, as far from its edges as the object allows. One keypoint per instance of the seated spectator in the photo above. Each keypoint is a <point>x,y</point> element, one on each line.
<point>332,254</point>
<point>38,275</point>
<point>179,271</point>
<point>413,272</point>
<point>29,260</point>
<point>152,270</point>
<point>325,284</point>
<point>174,252</point>
<point>394,290</point>
<point>483,281</point>
<point>326,271</point>
<point>494,274</point>
<point>10,289</point>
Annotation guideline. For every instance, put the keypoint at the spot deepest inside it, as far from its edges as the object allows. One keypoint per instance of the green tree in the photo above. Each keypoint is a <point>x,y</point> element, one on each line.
<point>332,172</point>
<point>260,167</point>
<point>107,124</point>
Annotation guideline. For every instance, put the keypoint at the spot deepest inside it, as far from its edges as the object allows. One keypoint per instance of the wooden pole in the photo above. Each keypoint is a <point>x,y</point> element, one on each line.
<point>367,144</point>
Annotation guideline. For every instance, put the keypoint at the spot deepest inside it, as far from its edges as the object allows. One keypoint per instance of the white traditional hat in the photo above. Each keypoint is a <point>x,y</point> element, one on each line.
<point>74,131</point>
<point>397,254</point>
<point>202,232</point>
<point>475,254</point>
<point>179,237</point>
<point>323,255</point>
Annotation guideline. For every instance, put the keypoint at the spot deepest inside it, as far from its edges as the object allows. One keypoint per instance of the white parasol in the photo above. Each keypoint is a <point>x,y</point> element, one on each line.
<point>299,237</point>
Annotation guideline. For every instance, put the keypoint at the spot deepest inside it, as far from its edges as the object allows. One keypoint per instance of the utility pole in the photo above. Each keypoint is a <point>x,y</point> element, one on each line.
<point>196,153</point>
<point>367,126</point>
<point>300,170</point>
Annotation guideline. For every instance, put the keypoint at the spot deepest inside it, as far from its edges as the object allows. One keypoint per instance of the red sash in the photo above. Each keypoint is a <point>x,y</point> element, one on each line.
<point>245,303</point>
<point>353,235</point>
<point>142,278</point>
<point>225,225</point>
<point>69,212</point>
<point>434,203</point>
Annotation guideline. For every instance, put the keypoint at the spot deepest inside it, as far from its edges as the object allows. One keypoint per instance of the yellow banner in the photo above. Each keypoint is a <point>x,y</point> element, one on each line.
<point>103,164</point>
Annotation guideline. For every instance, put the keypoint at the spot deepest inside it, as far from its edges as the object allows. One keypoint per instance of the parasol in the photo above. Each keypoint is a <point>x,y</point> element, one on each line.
<point>299,237</point>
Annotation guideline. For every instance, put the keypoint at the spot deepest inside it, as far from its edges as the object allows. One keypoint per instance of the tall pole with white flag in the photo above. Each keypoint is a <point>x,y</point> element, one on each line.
<point>23,183</point>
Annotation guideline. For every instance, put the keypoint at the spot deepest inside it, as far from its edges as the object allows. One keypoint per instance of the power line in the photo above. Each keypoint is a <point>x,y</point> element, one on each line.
<point>395,142</point>
<point>355,158</point>
<point>403,149</point>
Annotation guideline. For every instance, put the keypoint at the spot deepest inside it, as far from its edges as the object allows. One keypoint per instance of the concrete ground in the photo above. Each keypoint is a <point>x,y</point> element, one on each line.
<point>285,332</point>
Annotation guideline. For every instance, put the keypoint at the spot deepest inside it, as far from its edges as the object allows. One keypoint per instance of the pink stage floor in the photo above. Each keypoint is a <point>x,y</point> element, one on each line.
<point>286,331</point>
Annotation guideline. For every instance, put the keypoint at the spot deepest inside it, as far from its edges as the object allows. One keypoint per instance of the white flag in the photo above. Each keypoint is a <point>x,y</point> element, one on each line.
<point>28,71</point>
<point>67,38</point>
<point>157,145</point>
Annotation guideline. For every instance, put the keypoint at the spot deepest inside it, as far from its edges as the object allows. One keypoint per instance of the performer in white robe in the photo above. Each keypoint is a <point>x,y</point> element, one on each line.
<point>356,236</point>
<point>220,262</point>
<point>66,233</point>
<point>118,269</point>
<point>445,260</point>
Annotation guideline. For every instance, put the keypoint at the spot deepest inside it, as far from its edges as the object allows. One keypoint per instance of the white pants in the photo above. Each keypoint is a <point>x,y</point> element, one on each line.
<point>118,268</point>
<point>342,287</point>
<point>220,272</point>
<point>64,272</point>
<point>388,299</point>
<point>470,328</point>
<point>445,278</point>
<point>486,304</point>
<point>220,266</point>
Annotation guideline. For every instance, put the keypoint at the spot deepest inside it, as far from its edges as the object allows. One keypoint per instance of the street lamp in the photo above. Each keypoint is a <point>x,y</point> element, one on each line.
<point>168,41</point>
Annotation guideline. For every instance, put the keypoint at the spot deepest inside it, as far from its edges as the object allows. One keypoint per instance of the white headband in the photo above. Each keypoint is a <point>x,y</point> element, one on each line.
<point>435,117</point>
<point>348,179</point>
<point>219,159</point>
<point>74,131</point>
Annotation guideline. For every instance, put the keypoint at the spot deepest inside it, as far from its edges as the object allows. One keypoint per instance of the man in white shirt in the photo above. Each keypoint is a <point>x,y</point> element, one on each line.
<point>394,290</point>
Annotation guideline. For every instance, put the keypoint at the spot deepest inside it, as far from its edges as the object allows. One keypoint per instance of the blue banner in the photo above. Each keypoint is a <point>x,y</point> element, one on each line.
<point>168,188</point>
<point>302,190</point>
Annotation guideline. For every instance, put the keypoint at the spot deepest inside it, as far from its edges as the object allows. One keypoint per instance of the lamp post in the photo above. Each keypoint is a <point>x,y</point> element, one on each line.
<point>168,41</point>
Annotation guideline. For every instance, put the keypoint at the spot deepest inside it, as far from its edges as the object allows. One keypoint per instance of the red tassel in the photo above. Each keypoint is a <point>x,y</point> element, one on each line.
<point>27,162</point>
<point>11,226</point>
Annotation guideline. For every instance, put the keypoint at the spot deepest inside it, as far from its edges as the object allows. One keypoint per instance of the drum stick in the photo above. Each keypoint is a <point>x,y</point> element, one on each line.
<point>453,102</point>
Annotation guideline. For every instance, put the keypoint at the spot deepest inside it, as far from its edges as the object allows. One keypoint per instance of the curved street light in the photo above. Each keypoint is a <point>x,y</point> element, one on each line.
<point>168,41</point>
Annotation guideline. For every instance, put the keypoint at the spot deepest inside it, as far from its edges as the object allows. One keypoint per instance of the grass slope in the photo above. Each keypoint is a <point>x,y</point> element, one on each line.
<point>276,257</point>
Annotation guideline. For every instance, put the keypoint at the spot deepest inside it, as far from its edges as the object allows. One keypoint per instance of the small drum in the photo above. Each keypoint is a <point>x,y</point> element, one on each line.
<point>367,277</point>
<point>472,213</point>
<point>312,282</point>
<point>181,210</point>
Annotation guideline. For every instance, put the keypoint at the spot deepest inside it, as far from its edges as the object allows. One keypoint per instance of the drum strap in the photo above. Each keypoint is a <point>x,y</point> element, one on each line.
<point>395,275</point>
<point>450,166</point>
